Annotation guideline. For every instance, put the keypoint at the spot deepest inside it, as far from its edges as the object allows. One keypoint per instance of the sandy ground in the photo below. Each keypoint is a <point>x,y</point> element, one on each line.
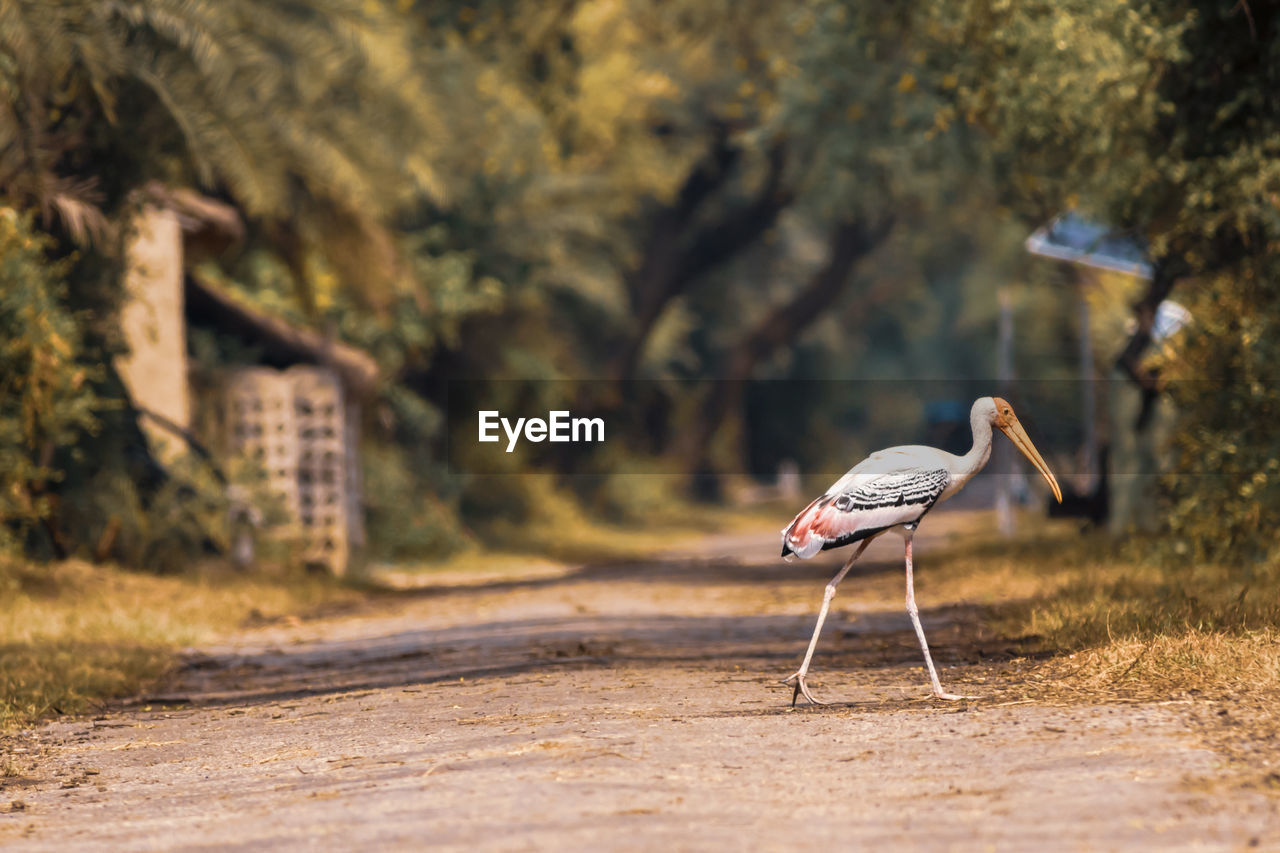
<point>625,707</point>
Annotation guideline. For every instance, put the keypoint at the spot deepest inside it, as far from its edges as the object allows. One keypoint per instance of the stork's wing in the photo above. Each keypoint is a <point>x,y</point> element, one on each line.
<point>863,505</point>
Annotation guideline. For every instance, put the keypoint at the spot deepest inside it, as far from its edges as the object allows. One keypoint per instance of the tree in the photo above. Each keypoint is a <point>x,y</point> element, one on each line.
<point>308,114</point>
<point>1163,119</point>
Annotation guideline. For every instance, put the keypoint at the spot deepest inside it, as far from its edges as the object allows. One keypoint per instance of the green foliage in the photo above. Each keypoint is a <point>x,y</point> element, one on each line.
<point>410,498</point>
<point>266,98</point>
<point>1225,485</point>
<point>46,397</point>
<point>418,316</point>
<point>404,518</point>
<point>875,133</point>
<point>311,116</point>
<point>160,528</point>
<point>1067,97</point>
<point>619,189</point>
<point>1225,134</point>
<point>1161,118</point>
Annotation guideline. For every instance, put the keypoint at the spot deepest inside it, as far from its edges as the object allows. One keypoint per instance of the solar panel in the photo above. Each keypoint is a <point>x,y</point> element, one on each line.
<point>1073,238</point>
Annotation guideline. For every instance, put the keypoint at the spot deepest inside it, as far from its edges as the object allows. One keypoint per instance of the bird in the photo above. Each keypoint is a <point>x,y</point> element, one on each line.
<point>893,490</point>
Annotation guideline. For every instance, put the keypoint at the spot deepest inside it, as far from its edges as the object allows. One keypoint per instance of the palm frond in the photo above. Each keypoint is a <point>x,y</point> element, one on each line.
<point>77,208</point>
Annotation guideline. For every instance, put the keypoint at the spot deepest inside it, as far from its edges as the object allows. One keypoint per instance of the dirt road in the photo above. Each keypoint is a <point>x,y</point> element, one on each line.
<point>624,707</point>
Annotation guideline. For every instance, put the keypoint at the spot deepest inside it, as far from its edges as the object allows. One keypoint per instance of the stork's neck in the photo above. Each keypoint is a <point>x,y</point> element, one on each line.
<point>973,461</point>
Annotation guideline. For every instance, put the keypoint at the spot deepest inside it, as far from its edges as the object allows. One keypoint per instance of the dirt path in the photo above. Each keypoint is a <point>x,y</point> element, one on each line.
<point>629,707</point>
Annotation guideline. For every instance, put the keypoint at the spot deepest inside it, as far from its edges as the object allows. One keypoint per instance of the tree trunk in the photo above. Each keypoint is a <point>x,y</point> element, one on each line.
<point>650,285</point>
<point>673,262</point>
<point>850,242</point>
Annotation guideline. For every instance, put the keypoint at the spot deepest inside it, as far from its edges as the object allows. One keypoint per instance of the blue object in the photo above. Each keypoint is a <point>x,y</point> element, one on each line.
<point>1070,237</point>
<point>946,411</point>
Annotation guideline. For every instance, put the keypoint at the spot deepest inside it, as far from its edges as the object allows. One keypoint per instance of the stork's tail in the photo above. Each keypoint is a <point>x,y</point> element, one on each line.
<point>798,537</point>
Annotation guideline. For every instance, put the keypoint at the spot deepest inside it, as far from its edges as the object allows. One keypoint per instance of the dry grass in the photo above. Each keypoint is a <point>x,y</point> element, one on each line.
<point>1101,619</point>
<point>73,634</point>
<point>1214,665</point>
<point>1131,627</point>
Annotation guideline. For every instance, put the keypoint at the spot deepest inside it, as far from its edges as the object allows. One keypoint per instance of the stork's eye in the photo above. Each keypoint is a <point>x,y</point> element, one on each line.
<point>1008,412</point>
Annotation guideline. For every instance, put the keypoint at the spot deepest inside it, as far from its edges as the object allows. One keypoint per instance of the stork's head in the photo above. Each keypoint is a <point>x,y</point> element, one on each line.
<point>1001,415</point>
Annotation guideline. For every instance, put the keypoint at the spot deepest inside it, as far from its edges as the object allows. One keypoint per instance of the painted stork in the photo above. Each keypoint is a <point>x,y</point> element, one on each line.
<point>893,489</point>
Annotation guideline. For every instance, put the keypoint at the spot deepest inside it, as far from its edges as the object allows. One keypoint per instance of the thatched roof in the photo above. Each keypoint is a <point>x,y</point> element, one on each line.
<point>282,343</point>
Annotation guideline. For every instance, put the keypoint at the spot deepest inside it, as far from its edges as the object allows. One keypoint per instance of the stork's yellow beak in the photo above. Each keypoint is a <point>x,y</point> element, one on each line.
<point>1019,437</point>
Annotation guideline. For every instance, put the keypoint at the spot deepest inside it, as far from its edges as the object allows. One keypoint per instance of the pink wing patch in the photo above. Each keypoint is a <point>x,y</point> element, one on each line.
<point>831,523</point>
<point>816,525</point>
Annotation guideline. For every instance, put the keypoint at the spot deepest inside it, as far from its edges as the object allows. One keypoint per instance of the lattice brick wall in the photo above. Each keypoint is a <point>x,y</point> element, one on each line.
<point>297,426</point>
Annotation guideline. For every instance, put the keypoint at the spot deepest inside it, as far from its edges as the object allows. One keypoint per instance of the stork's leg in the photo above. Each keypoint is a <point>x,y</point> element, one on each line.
<point>914,612</point>
<point>798,675</point>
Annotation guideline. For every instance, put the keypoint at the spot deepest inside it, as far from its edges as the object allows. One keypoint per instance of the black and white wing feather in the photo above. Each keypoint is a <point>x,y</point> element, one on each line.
<point>861,504</point>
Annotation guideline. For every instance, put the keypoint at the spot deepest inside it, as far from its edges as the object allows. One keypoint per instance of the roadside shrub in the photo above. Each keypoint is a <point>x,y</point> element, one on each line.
<point>47,400</point>
<point>1225,487</point>
<point>405,517</point>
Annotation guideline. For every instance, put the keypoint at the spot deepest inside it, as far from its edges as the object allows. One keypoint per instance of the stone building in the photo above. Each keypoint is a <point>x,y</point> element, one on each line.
<point>295,412</point>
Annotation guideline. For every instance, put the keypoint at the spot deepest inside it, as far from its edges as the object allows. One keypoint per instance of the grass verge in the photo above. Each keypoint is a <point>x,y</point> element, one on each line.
<point>73,634</point>
<point>1128,626</point>
<point>1104,619</point>
<point>565,534</point>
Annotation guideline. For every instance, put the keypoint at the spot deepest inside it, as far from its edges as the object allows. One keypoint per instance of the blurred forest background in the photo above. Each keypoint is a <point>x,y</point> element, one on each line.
<point>763,210</point>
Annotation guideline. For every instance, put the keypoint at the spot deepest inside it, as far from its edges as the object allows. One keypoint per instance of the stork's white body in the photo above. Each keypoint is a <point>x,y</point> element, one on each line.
<point>894,489</point>
<point>888,490</point>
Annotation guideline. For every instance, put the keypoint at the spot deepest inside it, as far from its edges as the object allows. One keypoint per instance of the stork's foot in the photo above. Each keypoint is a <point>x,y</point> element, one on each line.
<point>951,697</point>
<point>801,688</point>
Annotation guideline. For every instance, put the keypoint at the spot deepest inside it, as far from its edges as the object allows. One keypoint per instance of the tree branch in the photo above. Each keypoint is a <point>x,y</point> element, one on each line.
<point>716,244</point>
<point>672,267</point>
<point>661,252</point>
